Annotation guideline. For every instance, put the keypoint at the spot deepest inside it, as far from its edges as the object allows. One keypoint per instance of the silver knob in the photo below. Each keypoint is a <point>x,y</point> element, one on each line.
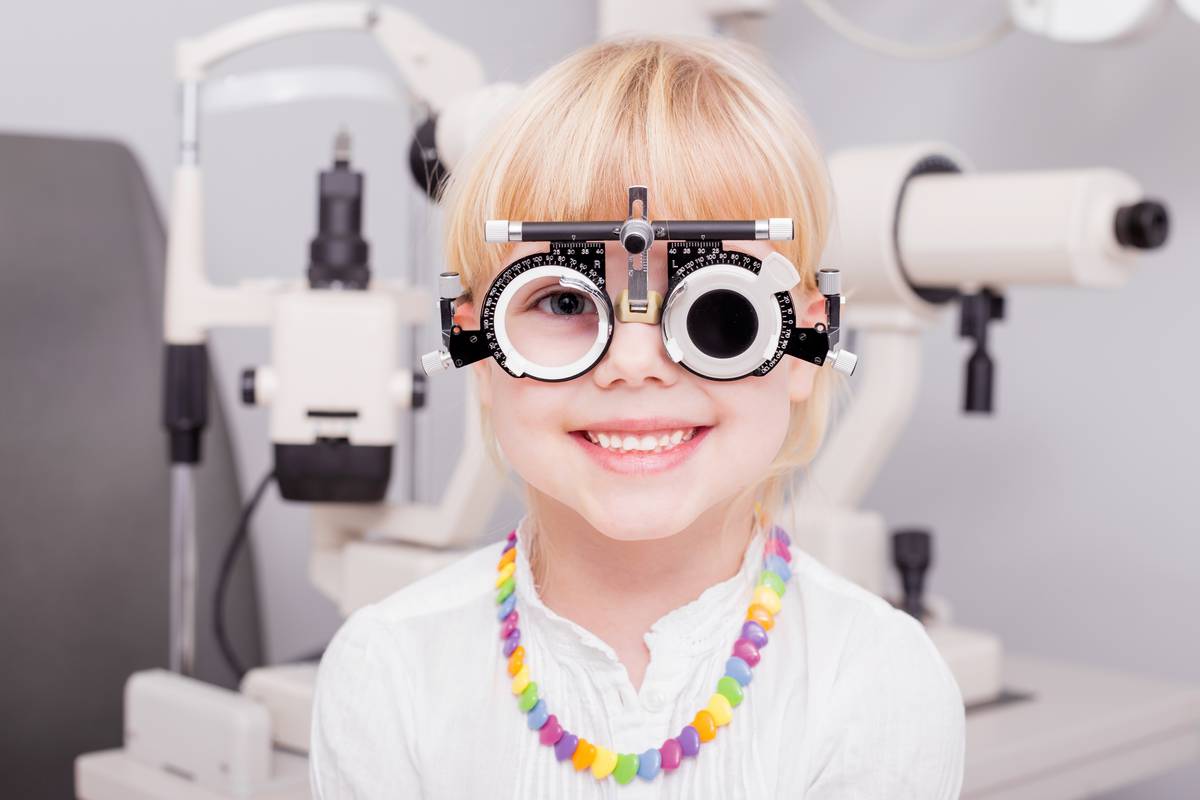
<point>435,361</point>
<point>829,281</point>
<point>843,361</point>
<point>449,285</point>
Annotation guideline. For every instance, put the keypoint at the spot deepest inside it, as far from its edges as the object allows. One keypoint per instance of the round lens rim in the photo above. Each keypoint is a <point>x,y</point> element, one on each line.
<point>515,363</point>
<point>739,279</point>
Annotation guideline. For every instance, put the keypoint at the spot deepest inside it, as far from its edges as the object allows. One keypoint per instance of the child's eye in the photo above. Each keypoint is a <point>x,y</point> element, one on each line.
<point>565,304</point>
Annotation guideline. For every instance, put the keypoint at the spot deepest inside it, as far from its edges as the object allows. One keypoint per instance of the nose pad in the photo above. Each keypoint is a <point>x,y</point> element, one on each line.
<point>650,316</point>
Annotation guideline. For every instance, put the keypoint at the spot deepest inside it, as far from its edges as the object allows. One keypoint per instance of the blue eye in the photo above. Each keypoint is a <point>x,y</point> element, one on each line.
<point>565,304</point>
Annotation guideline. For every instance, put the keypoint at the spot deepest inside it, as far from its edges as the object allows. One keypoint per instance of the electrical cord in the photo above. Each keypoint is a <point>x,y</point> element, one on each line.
<point>841,24</point>
<point>228,558</point>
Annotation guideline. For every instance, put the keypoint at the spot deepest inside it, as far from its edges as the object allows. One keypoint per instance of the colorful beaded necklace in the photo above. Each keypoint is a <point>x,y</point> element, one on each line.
<point>760,618</point>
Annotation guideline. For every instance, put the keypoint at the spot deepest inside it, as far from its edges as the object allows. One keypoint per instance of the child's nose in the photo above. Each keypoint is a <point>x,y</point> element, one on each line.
<point>636,355</point>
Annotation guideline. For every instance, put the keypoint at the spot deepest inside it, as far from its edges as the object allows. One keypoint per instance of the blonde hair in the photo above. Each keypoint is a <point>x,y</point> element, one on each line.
<point>705,125</point>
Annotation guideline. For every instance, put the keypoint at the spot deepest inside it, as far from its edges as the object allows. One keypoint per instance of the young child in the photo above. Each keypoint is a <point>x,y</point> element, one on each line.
<point>647,629</point>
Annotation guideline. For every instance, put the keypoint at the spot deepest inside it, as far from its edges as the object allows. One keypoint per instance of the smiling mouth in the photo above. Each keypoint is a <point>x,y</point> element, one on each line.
<point>640,442</point>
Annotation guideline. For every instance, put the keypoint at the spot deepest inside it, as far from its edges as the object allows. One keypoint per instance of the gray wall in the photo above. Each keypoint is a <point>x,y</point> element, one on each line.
<point>1066,522</point>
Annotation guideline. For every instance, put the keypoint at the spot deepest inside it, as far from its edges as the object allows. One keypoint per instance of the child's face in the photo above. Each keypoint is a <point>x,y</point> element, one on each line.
<point>720,435</point>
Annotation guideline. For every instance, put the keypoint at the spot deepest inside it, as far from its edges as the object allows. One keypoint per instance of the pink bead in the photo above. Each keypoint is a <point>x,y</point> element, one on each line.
<point>551,732</point>
<point>512,535</point>
<point>746,651</point>
<point>672,753</point>
<point>510,625</point>
<point>780,549</point>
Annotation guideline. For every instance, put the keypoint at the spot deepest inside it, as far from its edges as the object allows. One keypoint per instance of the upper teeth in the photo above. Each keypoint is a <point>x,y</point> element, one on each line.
<point>646,441</point>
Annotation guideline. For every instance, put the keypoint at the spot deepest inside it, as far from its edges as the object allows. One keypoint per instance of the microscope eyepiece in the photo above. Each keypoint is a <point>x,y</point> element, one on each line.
<point>1143,225</point>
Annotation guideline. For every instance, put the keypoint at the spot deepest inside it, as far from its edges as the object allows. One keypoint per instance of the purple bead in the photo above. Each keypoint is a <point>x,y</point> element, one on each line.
<point>754,633</point>
<point>565,748</point>
<point>689,740</point>
<point>507,606</point>
<point>781,534</point>
<point>509,545</point>
<point>746,651</point>
<point>511,642</point>
<point>510,625</point>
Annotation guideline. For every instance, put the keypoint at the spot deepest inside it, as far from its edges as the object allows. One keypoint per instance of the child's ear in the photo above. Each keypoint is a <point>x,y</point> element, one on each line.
<point>811,309</point>
<point>466,315</point>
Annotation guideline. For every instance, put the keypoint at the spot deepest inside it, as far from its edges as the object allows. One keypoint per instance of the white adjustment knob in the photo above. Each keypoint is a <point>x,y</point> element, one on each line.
<point>780,229</point>
<point>435,361</point>
<point>495,230</point>
<point>843,361</point>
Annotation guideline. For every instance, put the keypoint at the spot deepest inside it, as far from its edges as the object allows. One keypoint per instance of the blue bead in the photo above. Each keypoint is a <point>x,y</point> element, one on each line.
<point>649,763</point>
<point>739,670</point>
<point>507,606</point>
<point>538,715</point>
<point>779,566</point>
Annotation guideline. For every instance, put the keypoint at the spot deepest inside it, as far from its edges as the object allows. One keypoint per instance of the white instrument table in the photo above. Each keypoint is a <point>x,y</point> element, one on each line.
<point>1082,731</point>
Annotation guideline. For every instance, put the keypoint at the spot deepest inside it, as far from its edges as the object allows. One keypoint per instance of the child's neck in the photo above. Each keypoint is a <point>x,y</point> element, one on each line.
<point>619,589</point>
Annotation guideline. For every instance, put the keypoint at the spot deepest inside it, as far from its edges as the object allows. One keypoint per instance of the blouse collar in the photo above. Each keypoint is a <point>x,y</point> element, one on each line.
<point>699,626</point>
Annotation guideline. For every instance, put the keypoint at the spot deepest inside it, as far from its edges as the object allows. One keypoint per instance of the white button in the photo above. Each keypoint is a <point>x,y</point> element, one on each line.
<point>655,700</point>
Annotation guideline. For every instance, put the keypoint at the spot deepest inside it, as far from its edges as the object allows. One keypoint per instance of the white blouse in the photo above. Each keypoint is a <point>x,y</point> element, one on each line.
<point>851,700</point>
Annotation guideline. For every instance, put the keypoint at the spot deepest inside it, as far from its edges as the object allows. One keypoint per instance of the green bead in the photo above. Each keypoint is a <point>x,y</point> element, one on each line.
<point>528,697</point>
<point>626,768</point>
<point>505,589</point>
<point>772,579</point>
<point>731,689</point>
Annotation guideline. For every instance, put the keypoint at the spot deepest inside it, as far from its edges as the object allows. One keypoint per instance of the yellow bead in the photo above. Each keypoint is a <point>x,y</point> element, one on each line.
<point>505,571</point>
<point>718,706</point>
<point>521,679</point>
<point>604,762</point>
<point>766,597</point>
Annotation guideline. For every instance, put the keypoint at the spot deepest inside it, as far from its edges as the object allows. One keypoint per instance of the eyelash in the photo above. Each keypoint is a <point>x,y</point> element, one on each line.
<point>587,300</point>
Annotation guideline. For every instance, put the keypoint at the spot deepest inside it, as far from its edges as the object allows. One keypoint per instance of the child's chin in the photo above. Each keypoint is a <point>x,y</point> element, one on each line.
<point>626,521</point>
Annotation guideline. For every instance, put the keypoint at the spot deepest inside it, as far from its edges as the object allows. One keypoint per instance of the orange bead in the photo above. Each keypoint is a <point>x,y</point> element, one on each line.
<point>585,753</point>
<point>509,555</point>
<point>761,616</point>
<point>516,660</point>
<point>705,725</point>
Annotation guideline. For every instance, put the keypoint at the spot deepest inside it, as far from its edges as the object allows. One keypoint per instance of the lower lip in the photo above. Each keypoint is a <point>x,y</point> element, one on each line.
<point>641,463</point>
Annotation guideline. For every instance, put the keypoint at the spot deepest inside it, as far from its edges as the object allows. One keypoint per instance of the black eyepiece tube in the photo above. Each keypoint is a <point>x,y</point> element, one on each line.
<point>707,229</point>
<point>713,230</point>
<point>570,231</point>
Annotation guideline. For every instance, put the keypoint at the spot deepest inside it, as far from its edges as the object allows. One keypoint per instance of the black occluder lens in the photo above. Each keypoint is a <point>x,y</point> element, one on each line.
<point>722,323</point>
